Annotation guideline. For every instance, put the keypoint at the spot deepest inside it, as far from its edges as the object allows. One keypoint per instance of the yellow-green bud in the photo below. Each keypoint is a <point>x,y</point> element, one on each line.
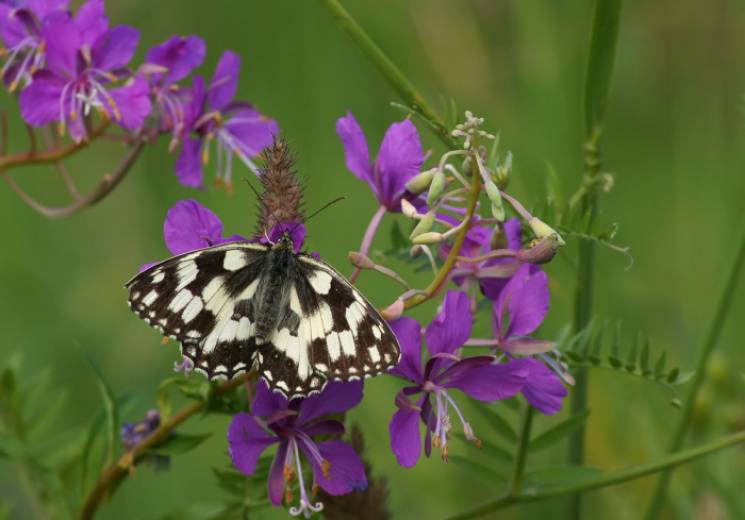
<point>436,187</point>
<point>431,237</point>
<point>497,208</point>
<point>421,181</point>
<point>408,209</point>
<point>543,230</point>
<point>423,225</point>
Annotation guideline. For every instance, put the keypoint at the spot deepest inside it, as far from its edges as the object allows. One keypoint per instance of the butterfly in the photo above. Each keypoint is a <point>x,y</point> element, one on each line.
<point>242,305</point>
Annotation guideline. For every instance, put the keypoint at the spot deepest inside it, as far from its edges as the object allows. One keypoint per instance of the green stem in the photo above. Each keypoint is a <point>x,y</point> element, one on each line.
<point>597,87</point>
<point>390,71</point>
<point>608,479</point>
<point>715,329</point>
<point>522,451</point>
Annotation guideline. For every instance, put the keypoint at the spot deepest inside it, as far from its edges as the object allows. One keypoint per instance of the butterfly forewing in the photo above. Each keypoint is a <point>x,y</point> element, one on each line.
<point>238,305</point>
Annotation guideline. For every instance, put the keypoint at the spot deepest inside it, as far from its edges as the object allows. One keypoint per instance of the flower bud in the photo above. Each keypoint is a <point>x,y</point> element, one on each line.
<point>408,209</point>
<point>360,260</point>
<point>540,251</point>
<point>421,181</point>
<point>423,225</point>
<point>394,310</point>
<point>543,230</point>
<point>436,187</point>
<point>502,172</point>
<point>497,208</point>
<point>430,237</point>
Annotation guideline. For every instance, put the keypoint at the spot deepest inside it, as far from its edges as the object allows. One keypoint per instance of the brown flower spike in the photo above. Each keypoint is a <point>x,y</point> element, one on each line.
<point>282,197</point>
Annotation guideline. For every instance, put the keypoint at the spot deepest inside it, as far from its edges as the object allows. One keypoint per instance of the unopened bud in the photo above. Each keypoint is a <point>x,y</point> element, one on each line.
<point>436,187</point>
<point>543,230</point>
<point>408,209</point>
<point>360,260</point>
<point>497,208</point>
<point>502,172</point>
<point>394,310</point>
<point>540,251</point>
<point>423,225</point>
<point>431,237</point>
<point>498,238</point>
<point>421,181</point>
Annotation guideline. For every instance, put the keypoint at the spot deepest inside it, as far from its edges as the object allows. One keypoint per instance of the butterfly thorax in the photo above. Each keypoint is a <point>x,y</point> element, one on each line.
<point>273,293</point>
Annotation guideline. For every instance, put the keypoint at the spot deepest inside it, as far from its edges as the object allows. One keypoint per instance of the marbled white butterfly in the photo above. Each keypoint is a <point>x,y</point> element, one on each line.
<point>239,305</point>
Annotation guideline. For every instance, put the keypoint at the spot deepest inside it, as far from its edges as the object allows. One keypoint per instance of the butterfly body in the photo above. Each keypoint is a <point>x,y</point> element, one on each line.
<point>237,306</point>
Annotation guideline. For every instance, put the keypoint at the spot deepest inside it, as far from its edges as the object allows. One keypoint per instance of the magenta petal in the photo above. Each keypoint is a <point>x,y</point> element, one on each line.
<point>179,54</point>
<point>355,148</point>
<point>225,80</point>
<point>43,8</point>
<point>345,470</point>
<point>324,427</point>
<point>251,130</point>
<point>452,326</point>
<point>400,157</point>
<point>12,30</point>
<point>528,303</point>
<point>406,442</point>
<point>295,229</point>
<point>276,481</point>
<point>543,389</point>
<point>189,163</point>
<point>337,397</point>
<point>409,335</point>
<point>63,39</point>
<point>266,402</point>
<point>132,102</point>
<point>246,442</point>
<point>114,48</point>
<point>189,226</point>
<point>91,21</point>
<point>40,101</point>
<point>512,231</point>
<point>492,382</point>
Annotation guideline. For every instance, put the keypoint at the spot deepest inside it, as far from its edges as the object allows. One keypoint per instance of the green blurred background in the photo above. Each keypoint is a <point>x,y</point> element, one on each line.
<point>674,142</point>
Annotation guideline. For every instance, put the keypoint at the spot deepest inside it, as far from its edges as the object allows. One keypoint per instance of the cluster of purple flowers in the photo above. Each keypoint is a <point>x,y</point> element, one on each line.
<point>68,66</point>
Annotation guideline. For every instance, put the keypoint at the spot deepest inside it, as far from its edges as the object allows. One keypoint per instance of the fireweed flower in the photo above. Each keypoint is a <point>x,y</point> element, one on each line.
<point>167,64</point>
<point>292,425</point>
<point>518,312</point>
<point>84,57</point>
<point>478,377</point>
<point>189,226</point>
<point>132,434</point>
<point>399,159</point>
<point>213,115</point>
<point>20,33</point>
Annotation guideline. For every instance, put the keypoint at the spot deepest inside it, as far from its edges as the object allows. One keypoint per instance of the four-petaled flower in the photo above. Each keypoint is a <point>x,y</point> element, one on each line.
<point>479,377</point>
<point>189,226</point>
<point>83,57</point>
<point>235,126</point>
<point>519,310</point>
<point>292,426</point>
<point>399,159</point>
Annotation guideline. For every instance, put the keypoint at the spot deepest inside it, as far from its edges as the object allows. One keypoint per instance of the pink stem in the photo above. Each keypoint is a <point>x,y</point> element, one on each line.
<point>367,240</point>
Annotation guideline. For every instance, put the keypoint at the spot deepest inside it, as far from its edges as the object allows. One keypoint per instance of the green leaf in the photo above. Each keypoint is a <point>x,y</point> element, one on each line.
<point>496,421</point>
<point>476,468</point>
<point>488,449</point>
<point>644,357</point>
<point>615,353</point>
<point>179,443</point>
<point>600,66</point>
<point>111,412</point>
<point>547,476</point>
<point>659,366</point>
<point>398,239</point>
<point>631,358</point>
<point>672,376</point>
<point>558,432</point>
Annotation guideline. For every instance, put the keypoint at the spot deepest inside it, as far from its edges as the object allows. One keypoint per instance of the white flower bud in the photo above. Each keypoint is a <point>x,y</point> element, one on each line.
<point>421,181</point>
<point>543,230</point>
<point>408,209</point>
<point>423,225</point>
<point>497,208</point>
<point>430,237</point>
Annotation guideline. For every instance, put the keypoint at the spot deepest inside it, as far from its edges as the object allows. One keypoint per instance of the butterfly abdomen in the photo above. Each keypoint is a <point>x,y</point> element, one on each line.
<point>275,290</point>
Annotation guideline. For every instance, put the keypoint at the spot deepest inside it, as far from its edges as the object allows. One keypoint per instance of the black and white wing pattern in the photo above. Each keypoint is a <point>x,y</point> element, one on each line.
<point>237,306</point>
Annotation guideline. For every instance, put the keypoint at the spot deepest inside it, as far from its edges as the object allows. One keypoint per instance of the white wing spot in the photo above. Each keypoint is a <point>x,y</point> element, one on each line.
<point>234,259</point>
<point>355,314</point>
<point>193,334</point>
<point>192,310</point>
<point>187,273</point>
<point>374,354</point>
<point>321,281</point>
<point>150,298</point>
<point>216,302</point>
<point>333,346</point>
<point>135,295</point>
<point>377,331</point>
<point>322,367</point>
<point>387,357</point>
<point>347,343</point>
<point>183,297</point>
<point>158,276</point>
<point>211,288</point>
<point>295,302</point>
<point>244,329</point>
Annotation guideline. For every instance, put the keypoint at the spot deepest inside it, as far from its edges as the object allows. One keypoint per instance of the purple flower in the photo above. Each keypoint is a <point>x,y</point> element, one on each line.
<point>167,64</point>
<point>83,58</point>
<point>479,377</point>
<point>189,226</point>
<point>520,309</point>
<point>20,33</point>
<point>399,159</point>
<point>292,425</point>
<point>133,434</point>
<point>235,126</point>
<point>295,229</point>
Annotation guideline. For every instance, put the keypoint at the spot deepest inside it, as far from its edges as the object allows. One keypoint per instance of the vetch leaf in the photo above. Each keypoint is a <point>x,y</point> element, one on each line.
<point>558,432</point>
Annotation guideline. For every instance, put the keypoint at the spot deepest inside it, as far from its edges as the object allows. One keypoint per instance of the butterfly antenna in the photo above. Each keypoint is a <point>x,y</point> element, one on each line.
<point>337,199</point>
<point>253,188</point>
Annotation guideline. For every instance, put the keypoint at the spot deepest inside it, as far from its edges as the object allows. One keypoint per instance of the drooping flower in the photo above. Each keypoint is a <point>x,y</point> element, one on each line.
<point>292,426</point>
<point>165,65</point>
<point>213,115</point>
<point>399,159</point>
<point>479,377</point>
<point>83,58</point>
<point>189,226</point>
<point>518,312</point>
<point>20,33</point>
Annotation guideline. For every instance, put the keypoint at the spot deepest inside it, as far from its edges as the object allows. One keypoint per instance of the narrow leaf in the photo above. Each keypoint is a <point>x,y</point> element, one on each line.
<point>659,366</point>
<point>476,468</point>
<point>558,432</point>
<point>548,476</point>
<point>111,412</point>
<point>497,422</point>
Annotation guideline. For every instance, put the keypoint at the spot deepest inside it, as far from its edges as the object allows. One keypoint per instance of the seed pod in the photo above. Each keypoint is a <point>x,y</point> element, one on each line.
<point>431,237</point>
<point>497,208</point>
<point>423,225</point>
<point>421,181</point>
<point>436,188</point>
